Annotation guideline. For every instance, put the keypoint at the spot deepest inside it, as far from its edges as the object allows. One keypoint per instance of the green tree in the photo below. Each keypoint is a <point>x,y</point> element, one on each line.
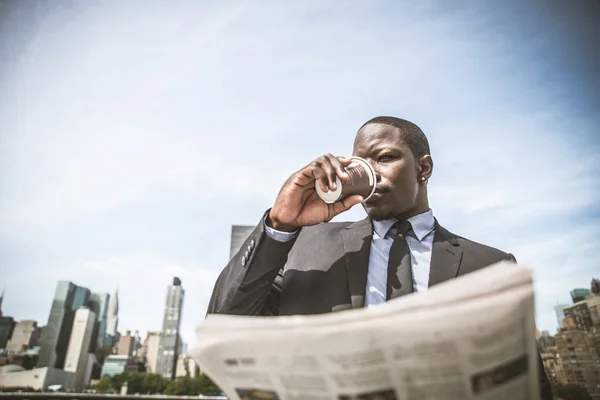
<point>104,385</point>
<point>143,383</point>
<point>187,386</point>
<point>154,384</point>
<point>180,386</point>
<point>571,392</point>
<point>207,386</point>
<point>27,389</point>
<point>135,383</point>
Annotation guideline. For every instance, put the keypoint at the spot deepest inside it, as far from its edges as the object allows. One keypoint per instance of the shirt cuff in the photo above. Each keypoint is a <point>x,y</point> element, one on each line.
<point>278,235</point>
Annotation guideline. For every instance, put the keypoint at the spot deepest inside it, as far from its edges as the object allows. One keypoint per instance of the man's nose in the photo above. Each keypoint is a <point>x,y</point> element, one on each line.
<point>377,176</point>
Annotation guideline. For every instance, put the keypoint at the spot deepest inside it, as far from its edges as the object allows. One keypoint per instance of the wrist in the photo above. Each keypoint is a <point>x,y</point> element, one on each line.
<point>273,222</point>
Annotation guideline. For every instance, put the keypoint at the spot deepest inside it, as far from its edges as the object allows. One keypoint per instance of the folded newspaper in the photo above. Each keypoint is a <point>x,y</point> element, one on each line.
<point>468,338</point>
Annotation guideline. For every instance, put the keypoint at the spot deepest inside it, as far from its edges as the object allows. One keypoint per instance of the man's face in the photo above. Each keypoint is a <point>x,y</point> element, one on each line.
<point>398,189</point>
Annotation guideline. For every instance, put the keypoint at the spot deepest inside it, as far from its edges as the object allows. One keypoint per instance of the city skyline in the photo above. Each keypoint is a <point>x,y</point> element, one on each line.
<point>131,143</point>
<point>144,331</point>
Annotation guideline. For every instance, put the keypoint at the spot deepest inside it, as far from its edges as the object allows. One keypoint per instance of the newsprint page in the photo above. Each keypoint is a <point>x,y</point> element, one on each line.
<point>468,338</point>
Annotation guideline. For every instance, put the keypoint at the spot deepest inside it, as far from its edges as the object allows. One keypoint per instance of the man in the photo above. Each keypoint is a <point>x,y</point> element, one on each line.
<point>297,262</point>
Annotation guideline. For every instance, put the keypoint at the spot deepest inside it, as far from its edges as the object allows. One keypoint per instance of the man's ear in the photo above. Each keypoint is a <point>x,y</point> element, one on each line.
<point>425,168</point>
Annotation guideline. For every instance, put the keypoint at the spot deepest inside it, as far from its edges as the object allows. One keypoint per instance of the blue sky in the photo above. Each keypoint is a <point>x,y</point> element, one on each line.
<point>134,134</point>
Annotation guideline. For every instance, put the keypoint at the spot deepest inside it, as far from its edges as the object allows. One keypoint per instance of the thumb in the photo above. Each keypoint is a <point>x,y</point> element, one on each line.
<point>346,204</point>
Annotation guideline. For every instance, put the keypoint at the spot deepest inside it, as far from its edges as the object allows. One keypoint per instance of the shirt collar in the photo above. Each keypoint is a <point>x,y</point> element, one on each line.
<point>422,225</point>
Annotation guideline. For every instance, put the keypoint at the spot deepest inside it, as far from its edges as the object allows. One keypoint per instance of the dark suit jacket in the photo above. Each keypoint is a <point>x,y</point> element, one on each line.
<point>324,269</point>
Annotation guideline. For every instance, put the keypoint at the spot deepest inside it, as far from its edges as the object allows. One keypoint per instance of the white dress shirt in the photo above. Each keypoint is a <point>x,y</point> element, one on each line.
<point>420,243</point>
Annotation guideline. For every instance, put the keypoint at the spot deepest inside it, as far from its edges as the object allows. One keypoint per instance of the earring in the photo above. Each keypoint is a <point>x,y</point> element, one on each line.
<point>422,178</point>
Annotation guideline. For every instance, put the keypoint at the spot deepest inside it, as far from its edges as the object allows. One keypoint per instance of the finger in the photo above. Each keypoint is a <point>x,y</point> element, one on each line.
<point>319,175</point>
<point>346,204</point>
<point>345,161</point>
<point>314,172</point>
<point>339,168</point>
<point>329,170</point>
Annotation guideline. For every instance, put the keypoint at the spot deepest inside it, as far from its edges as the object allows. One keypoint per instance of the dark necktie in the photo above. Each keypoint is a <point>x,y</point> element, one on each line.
<point>399,281</point>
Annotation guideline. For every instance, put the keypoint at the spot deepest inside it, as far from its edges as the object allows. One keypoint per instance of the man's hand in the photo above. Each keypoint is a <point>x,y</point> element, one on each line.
<point>298,204</point>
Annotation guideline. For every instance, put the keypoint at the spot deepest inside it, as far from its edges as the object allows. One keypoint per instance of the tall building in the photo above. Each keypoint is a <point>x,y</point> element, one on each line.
<point>560,314</point>
<point>593,304</point>
<point>68,298</point>
<point>23,336</point>
<point>169,346</point>
<point>580,315</point>
<point>7,324</point>
<point>578,353</point>
<point>553,366</point>
<point>112,321</point>
<point>579,294</point>
<point>137,344</point>
<point>239,234</point>
<point>37,337</point>
<point>99,306</point>
<point>80,343</point>
<point>152,344</point>
<point>126,344</point>
<point>595,286</point>
<point>546,342</point>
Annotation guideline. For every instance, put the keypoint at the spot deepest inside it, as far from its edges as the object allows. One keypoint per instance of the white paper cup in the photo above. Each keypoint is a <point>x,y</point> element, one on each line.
<point>362,181</point>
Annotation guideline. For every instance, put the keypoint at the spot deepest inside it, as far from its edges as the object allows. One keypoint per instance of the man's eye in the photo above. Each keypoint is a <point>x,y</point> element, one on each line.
<point>384,158</point>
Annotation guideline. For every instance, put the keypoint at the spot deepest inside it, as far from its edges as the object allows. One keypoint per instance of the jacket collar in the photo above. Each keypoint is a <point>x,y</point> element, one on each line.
<point>446,256</point>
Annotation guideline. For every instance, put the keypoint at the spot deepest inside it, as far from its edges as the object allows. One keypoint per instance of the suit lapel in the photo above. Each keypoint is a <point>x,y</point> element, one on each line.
<point>446,256</point>
<point>357,247</point>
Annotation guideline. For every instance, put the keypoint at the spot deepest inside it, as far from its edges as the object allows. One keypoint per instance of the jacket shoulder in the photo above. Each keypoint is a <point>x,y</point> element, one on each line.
<point>479,251</point>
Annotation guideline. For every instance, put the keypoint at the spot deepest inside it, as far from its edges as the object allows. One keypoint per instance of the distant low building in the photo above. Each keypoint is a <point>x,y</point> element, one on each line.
<point>118,364</point>
<point>23,337</point>
<point>579,294</point>
<point>150,350</point>
<point>126,344</point>
<point>25,360</point>
<point>187,366</point>
<point>15,376</point>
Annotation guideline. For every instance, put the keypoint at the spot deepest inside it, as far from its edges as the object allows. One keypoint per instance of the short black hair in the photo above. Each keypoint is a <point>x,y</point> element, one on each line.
<point>413,136</point>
